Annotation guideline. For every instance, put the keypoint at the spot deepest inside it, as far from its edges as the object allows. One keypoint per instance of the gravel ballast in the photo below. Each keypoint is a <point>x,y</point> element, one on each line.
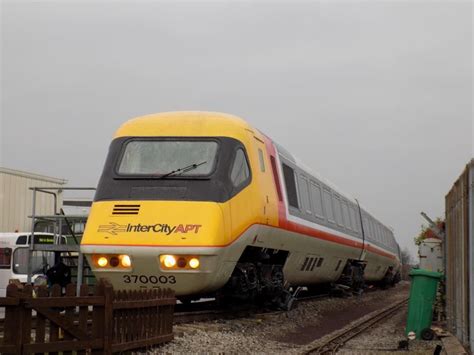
<point>294,331</point>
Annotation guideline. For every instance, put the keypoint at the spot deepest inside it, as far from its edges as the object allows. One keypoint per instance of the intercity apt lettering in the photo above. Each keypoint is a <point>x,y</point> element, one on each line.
<point>164,228</point>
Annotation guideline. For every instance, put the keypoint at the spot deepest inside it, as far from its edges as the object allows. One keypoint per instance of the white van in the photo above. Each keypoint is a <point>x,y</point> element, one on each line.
<point>14,257</point>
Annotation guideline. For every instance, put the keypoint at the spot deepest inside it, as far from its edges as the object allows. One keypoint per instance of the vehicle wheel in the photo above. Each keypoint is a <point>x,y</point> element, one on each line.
<point>427,334</point>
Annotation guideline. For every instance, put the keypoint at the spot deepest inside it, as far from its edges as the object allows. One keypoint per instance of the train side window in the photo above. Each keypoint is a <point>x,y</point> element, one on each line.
<point>338,211</point>
<point>240,172</point>
<point>262,161</point>
<point>328,205</point>
<point>352,216</point>
<point>317,200</point>
<point>345,215</point>
<point>370,232</point>
<point>290,184</point>
<point>376,231</point>
<point>304,194</point>
<point>357,220</point>
<point>366,227</point>
<point>5,258</point>
<point>372,228</point>
<point>275,177</point>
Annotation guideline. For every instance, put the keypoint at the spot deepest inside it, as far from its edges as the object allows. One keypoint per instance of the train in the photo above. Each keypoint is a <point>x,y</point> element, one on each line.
<point>206,204</point>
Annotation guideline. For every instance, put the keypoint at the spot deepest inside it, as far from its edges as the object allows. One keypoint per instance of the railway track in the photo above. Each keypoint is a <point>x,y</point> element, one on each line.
<point>206,311</point>
<point>181,317</point>
<point>334,343</point>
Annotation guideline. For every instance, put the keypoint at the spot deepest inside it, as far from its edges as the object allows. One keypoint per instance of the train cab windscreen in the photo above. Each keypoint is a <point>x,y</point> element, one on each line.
<point>168,158</point>
<point>171,168</point>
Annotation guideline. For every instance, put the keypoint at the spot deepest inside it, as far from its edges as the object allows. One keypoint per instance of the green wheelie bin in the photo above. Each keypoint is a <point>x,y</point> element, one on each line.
<point>424,286</point>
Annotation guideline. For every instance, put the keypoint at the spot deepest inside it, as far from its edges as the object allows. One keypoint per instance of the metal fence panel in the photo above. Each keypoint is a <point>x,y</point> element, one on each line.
<point>458,253</point>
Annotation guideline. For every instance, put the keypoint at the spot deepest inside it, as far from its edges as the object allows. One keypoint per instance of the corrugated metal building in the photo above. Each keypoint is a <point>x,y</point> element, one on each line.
<point>460,257</point>
<point>16,198</point>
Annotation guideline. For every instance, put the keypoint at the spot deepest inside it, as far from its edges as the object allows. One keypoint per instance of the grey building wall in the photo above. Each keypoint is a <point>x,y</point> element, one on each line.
<point>16,198</point>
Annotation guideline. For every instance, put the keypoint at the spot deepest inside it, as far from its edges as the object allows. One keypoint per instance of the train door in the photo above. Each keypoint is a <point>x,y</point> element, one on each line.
<point>263,167</point>
<point>266,183</point>
<point>243,204</point>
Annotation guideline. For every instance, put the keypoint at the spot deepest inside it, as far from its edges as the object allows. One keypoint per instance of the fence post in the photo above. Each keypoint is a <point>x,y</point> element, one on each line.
<point>69,314</point>
<point>108,316</point>
<point>26,316</point>
<point>13,321</point>
<point>98,319</point>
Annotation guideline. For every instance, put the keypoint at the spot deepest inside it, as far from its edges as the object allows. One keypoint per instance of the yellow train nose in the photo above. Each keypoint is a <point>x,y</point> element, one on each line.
<point>176,244</point>
<point>157,223</point>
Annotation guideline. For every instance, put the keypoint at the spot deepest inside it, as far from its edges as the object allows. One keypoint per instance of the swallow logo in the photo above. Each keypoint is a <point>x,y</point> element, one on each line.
<point>112,228</point>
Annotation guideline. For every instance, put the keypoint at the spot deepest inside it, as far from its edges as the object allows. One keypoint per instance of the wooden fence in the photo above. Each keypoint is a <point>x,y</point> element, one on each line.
<point>107,321</point>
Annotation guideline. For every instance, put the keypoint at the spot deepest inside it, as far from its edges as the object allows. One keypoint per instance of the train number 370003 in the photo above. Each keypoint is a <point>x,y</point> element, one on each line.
<point>144,279</point>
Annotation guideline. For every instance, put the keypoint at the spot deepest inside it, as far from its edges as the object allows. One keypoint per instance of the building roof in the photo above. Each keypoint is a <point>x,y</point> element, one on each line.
<point>29,175</point>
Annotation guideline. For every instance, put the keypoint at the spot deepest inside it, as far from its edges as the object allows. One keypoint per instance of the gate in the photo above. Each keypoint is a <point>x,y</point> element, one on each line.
<point>107,321</point>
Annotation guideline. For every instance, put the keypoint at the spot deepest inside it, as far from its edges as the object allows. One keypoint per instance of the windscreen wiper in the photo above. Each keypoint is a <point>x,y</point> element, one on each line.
<point>182,170</point>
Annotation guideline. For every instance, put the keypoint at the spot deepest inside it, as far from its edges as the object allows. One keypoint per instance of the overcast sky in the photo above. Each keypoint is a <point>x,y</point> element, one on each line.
<point>376,96</point>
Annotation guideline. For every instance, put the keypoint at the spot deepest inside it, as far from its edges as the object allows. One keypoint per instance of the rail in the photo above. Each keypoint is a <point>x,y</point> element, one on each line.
<point>332,344</point>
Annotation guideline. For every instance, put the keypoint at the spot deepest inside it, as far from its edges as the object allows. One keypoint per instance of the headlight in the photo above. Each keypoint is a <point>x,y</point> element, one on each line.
<point>169,261</point>
<point>102,261</point>
<point>112,262</point>
<point>194,263</point>
<point>125,260</point>
<point>179,262</point>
